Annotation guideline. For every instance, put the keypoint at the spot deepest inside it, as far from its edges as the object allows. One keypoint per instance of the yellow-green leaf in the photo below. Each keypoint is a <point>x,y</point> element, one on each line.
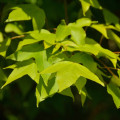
<point>69,72</point>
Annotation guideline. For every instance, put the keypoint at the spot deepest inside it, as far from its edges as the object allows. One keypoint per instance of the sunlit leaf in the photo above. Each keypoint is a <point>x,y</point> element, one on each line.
<point>13,28</point>
<point>78,35</point>
<point>35,51</point>
<point>62,32</point>
<point>4,46</point>
<point>43,91</point>
<point>87,3</point>
<point>69,72</point>
<point>1,37</point>
<point>28,12</point>
<point>101,28</point>
<point>23,68</point>
<point>85,6</point>
<point>114,91</point>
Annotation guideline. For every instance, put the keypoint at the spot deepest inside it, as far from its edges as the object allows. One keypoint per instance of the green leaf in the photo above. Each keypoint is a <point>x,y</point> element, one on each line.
<point>95,3</point>
<point>13,28</point>
<point>44,35</point>
<point>23,68</point>
<point>82,22</point>
<point>116,80</point>
<point>86,60</point>
<point>83,95</point>
<point>36,36</point>
<point>114,37</point>
<point>114,91</point>
<point>2,75</point>
<point>87,3</point>
<point>101,28</point>
<point>43,91</point>
<point>62,32</point>
<point>95,48</point>
<point>85,6</point>
<point>80,83</point>
<point>4,46</point>
<point>35,51</point>
<point>69,72</point>
<point>110,18</point>
<point>92,47</point>
<point>1,37</point>
<point>78,35</point>
<point>28,12</point>
<point>67,92</point>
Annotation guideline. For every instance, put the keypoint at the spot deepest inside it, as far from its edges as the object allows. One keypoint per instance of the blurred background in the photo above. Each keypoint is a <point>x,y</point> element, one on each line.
<point>18,102</point>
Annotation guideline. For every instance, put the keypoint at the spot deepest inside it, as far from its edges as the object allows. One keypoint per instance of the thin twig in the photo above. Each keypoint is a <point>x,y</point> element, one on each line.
<point>108,69</point>
<point>101,39</point>
<point>117,52</point>
<point>15,37</point>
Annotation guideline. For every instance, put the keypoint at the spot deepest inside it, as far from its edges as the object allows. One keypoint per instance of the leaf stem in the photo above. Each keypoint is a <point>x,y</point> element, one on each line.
<point>110,68</point>
<point>117,52</point>
<point>101,39</point>
<point>15,37</point>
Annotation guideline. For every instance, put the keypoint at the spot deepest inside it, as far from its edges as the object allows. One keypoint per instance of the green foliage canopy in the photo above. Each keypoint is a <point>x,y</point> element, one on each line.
<point>57,60</point>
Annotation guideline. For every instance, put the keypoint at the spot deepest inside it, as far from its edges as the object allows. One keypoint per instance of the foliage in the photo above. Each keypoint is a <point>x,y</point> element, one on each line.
<point>60,58</point>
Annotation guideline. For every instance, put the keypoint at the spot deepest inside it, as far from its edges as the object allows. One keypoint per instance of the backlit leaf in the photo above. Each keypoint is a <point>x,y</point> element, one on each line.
<point>69,72</point>
<point>4,46</point>
<point>28,12</point>
<point>114,91</point>
<point>43,91</point>
<point>23,68</point>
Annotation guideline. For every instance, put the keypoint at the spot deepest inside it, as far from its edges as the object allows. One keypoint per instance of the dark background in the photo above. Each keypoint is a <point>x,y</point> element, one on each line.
<point>19,104</point>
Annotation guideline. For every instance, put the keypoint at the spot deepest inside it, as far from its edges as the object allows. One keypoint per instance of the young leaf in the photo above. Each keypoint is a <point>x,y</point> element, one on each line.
<point>78,35</point>
<point>80,83</point>
<point>35,51</point>
<point>69,72</point>
<point>43,91</point>
<point>86,60</point>
<point>62,32</point>
<point>4,46</point>
<point>13,28</point>
<point>114,91</point>
<point>85,6</point>
<point>92,47</point>
<point>1,37</point>
<point>87,3</point>
<point>44,35</point>
<point>82,22</point>
<point>28,12</point>
<point>23,68</point>
<point>101,28</point>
